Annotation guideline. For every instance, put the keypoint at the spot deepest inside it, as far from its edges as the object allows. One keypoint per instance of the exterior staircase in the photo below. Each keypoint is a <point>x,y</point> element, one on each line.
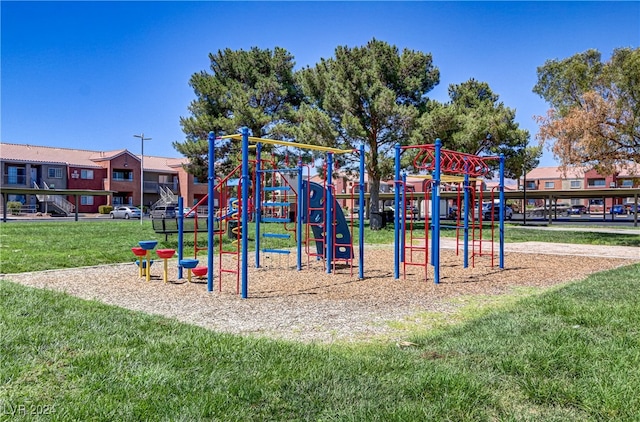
<point>55,202</point>
<point>166,197</point>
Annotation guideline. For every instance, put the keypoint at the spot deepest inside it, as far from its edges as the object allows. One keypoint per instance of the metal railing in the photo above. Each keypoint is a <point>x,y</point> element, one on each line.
<point>57,200</point>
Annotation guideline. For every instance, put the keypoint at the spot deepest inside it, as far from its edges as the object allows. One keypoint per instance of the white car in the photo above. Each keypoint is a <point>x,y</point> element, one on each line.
<point>125,212</point>
<point>186,211</point>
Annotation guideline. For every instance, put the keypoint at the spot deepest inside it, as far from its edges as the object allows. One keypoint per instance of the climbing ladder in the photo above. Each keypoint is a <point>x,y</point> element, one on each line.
<point>416,249</point>
<point>279,198</point>
<point>228,220</point>
<point>342,240</point>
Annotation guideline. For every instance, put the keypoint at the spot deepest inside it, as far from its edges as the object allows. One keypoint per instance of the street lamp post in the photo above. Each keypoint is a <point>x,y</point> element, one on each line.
<point>142,139</point>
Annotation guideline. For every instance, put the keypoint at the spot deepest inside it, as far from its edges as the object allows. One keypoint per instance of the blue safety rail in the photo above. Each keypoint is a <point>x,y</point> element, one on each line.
<point>270,206</point>
<point>280,251</point>
<point>275,188</point>
<point>277,235</point>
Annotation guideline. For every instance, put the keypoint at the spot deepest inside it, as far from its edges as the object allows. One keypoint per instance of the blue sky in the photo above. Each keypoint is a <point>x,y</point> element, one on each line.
<point>92,74</point>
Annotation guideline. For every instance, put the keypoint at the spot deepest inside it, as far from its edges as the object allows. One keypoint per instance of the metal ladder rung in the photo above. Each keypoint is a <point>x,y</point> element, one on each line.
<point>275,220</point>
<point>277,235</point>
<point>281,251</point>
<point>229,271</point>
<point>276,188</point>
<point>276,204</point>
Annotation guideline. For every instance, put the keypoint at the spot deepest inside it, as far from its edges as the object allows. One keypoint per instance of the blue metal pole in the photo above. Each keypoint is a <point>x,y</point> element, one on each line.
<point>502,209</point>
<point>466,218</point>
<point>180,236</point>
<point>361,214</point>
<point>245,211</point>
<point>396,228</point>
<point>211,181</point>
<point>299,217</point>
<point>258,202</point>
<point>328,221</point>
<point>436,215</point>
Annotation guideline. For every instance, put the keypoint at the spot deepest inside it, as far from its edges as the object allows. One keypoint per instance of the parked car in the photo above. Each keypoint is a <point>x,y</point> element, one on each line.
<point>125,212</point>
<point>495,209</point>
<point>633,208</point>
<point>164,211</point>
<point>187,213</point>
<point>577,210</point>
<point>618,209</point>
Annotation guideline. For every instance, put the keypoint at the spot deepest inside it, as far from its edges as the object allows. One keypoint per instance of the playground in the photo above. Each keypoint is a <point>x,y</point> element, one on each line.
<point>328,287</point>
<point>313,306</point>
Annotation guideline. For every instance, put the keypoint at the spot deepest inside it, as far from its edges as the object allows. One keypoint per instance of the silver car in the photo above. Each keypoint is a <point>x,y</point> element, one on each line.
<point>125,212</point>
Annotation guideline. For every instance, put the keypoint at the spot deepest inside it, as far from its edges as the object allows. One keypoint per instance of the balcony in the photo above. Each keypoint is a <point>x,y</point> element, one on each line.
<point>14,180</point>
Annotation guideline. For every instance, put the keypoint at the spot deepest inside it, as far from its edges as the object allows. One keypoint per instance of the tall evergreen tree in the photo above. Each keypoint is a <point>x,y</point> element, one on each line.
<point>254,88</point>
<point>371,95</point>
<point>475,121</point>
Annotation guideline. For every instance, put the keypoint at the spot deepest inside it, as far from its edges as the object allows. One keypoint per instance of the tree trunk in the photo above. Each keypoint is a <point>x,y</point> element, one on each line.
<point>375,217</point>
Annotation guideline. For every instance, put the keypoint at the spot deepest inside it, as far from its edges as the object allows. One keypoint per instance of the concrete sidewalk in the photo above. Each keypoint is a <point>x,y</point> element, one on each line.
<point>544,248</point>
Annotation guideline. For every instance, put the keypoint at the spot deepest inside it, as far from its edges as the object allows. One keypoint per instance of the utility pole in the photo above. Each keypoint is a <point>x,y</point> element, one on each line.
<point>142,139</point>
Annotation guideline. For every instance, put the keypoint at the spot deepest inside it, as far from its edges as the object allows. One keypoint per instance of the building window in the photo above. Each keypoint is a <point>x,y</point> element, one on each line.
<point>576,184</point>
<point>123,175</point>
<point>16,175</point>
<point>86,174</point>
<point>575,201</point>
<point>55,173</point>
<point>626,183</point>
<point>86,200</point>
<point>549,185</point>
<point>597,183</point>
<point>531,185</point>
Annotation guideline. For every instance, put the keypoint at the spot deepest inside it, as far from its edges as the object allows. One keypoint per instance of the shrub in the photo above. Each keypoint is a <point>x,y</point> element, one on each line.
<point>105,209</point>
<point>14,207</point>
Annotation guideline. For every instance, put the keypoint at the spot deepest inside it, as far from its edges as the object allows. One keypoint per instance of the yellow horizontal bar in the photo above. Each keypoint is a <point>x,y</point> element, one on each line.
<point>238,137</point>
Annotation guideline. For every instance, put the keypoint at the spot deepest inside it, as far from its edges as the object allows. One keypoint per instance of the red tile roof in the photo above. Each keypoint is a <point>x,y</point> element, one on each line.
<point>81,158</point>
<point>555,173</point>
<point>53,155</point>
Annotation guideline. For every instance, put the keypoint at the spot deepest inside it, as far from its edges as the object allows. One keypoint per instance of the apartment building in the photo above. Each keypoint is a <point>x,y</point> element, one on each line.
<point>552,178</point>
<point>43,167</point>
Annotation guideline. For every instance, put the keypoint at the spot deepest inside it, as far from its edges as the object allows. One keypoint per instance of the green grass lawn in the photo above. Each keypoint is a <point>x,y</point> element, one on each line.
<point>569,354</point>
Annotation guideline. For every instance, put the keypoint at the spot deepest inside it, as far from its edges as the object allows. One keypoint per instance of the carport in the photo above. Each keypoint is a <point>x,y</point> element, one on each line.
<point>76,193</point>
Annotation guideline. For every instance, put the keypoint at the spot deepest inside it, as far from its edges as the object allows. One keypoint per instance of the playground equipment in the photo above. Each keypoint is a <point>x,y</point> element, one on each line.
<point>200,272</point>
<point>165,254</point>
<point>437,160</point>
<point>189,264</point>
<point>148,246</point>
<point>140,253</point>
<point>315,206</point>
<point>292,199</point>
